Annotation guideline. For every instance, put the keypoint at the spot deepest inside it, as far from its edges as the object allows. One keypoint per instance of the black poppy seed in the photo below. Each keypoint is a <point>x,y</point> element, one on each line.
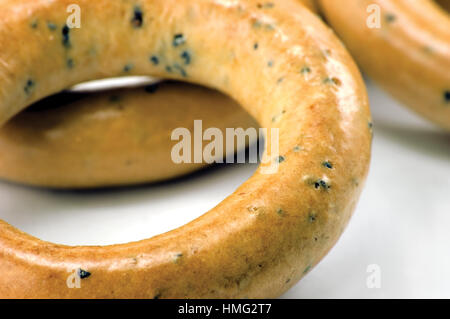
<point>276,117</point>
<point>83,273</point>
<point>327,164</point>
<point>51,26</point>
<point>177,258</point>
<point>29,86</point>
<point>151,88</point>
<point>312,217</point>
<point>270,64</point>
<point>127,68</point>
<point>154,59</point>
<point>321,184</point>
<point>186,56</point>
<point>305,69</point>
<point>182,71</point>
<point>168,69</point>
<point>447,96</point>
<point>256,46</point>
<point>138,18</point>
<point>70,63</point>
<point>280,159</point>
<point>370,125</point>
<point>66,36</point>
<point>178,39</point>
<point>390,17</point>
<point>267,26</point>
<point>256,24</point>
<point>34,24</point>
<point>332,80</point>
<point>307,269</point>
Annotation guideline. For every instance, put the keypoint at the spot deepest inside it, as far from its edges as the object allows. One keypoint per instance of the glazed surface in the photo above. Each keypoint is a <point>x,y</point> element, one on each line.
<point>274,228</point>
<point>111,138</point>
<point>38,147</point>
<point>409,55</point>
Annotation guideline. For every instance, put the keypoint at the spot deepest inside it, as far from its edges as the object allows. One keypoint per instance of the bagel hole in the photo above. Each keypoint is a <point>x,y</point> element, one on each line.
<point>116,215</point>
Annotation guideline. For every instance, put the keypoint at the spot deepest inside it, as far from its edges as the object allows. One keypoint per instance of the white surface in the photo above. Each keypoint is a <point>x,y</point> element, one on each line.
<point>402,222</point>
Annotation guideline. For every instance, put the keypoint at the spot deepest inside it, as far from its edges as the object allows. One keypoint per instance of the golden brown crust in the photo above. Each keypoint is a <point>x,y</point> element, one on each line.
<point>275,227</point>
<point>39,146</point>
<point>310,4</point>
<point>445,4</point>
<point>409,55</point>
<point>136,149</point>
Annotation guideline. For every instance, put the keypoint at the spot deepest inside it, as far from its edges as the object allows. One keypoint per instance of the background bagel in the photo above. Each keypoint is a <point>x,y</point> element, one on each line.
<point>275,227</point>
<point>40,146</point>
<point>111,138</point>
<point>409,55</point>
<point>310,4</point>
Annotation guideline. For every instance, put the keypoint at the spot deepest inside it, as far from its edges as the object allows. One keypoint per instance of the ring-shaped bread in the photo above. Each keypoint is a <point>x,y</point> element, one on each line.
<point>404,45</point>
<point>279,62</point>
<point>65,131</point>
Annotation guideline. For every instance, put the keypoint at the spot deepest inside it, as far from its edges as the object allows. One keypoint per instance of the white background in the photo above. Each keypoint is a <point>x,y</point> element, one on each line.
<point>402,223</point>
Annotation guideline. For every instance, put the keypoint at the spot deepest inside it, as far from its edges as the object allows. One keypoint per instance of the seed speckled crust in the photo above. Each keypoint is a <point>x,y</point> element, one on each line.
<point>242,248</point>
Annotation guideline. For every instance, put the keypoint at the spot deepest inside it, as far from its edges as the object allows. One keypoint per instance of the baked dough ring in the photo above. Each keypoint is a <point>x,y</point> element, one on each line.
<point>275,227</point>
<point>445,4</point>
<point>39,146</point>
<point>409,55</point>
<point>310,4</point>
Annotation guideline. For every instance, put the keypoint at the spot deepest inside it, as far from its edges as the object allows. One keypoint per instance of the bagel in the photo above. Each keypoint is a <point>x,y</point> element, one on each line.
<point>70,136</point>
<point>61,144</point>
<point>275,227</point>
<point>445,4</point>
<point>409,55</point>
<point>310,4</point>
